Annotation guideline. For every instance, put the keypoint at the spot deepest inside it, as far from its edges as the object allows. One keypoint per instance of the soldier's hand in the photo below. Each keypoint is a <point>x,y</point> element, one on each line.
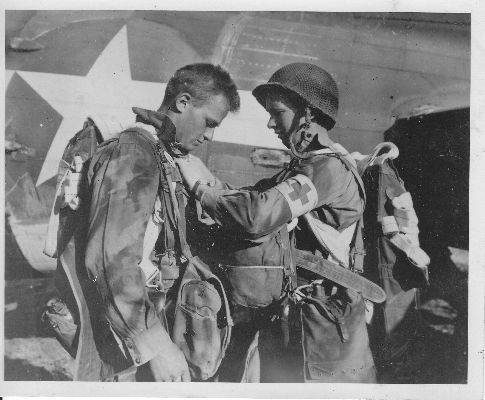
<point>193,170</point>
<point>170,366</point>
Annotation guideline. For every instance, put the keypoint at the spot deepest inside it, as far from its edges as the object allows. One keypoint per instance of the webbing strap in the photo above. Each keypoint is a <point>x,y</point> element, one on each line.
<point>50,246</point>
<point>353,169</point>
<point>165,172</point>
<point>184,248</point>
<point>330,239</point>
<point>335,273</point>
<point>357,251</point>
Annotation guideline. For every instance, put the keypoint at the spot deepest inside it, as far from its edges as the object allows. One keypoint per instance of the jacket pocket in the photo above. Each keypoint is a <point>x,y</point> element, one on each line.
<point>195,328</point>
<point>255,286</point>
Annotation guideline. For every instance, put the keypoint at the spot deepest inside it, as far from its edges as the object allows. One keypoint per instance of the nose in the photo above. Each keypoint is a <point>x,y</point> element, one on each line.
<point>209,134</point>
<point>271,123</point>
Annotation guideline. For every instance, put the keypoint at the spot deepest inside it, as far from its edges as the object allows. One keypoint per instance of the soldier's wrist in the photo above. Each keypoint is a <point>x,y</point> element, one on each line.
<point>148,344</point>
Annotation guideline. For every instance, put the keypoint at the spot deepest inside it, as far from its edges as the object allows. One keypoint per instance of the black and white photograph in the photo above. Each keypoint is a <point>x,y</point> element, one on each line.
<point>243,201</point>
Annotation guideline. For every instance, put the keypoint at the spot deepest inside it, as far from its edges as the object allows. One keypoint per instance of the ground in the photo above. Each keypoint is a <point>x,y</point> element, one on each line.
<point>439,353</point>
<point>31,351</point>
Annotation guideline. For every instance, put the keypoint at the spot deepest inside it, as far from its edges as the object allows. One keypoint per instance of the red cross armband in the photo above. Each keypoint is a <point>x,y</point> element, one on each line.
<point>300,194</point>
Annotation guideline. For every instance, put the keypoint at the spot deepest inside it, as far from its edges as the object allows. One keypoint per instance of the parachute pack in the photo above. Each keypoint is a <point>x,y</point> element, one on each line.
<point>393,257</point>
<point>66,231</point>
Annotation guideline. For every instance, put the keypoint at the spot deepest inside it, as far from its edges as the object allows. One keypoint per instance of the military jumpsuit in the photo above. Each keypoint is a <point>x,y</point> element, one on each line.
<point>299,344</point>
<point>125,182</point>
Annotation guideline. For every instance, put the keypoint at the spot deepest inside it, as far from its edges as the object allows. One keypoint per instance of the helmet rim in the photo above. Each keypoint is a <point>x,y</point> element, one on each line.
<point>324,98</point>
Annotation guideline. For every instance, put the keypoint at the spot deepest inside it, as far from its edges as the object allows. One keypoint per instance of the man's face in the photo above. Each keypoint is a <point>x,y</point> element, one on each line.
<point>284,118</point>
<point>196,123</point>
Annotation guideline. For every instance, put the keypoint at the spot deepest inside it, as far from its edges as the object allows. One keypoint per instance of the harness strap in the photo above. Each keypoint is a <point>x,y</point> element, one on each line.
<point>357,251</point>
<point>345,158</point>
<point>334,242</point>
<point>181,235</point>
<point>169,200</point>
<point>342,276</point>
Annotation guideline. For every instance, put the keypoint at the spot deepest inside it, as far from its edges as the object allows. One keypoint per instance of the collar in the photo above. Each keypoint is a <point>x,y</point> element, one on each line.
<point>163,126</point>
<point>149,128</point>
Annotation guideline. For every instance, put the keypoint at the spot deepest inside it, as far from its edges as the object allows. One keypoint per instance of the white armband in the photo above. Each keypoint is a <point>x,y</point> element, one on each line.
<point>300,194</point>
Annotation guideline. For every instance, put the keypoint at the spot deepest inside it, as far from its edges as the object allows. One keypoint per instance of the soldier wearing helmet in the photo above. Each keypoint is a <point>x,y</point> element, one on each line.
<point>309,328</point>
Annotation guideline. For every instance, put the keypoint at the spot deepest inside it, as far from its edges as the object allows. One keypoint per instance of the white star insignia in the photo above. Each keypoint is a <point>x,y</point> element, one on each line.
<point>107,89</point>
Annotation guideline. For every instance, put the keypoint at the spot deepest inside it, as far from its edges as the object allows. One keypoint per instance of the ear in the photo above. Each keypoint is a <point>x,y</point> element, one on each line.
<point>182,101</point>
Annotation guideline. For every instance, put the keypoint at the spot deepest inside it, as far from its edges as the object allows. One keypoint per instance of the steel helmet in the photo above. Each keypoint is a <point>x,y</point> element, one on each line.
<point>309,81</point>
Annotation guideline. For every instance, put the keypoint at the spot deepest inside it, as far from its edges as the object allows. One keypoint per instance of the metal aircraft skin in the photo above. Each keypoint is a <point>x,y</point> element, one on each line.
<point>63,66</point>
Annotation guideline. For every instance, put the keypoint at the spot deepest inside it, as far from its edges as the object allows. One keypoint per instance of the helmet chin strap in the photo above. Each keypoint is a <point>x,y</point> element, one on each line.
<point>302,137</point>
<point>176,149</point>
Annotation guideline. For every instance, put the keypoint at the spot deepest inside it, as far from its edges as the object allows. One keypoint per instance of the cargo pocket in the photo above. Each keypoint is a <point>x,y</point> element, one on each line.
<point>202,326</point>
<point>254,286</point>
<point>198,335</point>
<point>256,276</point>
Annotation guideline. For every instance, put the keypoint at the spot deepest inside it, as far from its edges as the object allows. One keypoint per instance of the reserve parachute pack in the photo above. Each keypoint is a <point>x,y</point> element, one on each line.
<point>196,320</point>
<point>66,235</point>
<point>393,256</point>
<point>389,217</point>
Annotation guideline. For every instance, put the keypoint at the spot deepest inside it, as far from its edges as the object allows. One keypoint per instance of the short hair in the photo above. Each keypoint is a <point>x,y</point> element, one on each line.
<point>202,80</point>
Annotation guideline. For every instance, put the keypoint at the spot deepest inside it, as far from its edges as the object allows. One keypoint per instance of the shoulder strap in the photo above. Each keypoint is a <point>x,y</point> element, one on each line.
<point>349,164</point>
<point>339,151</point>
<point>357,251</point>
<point>165,171</point>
